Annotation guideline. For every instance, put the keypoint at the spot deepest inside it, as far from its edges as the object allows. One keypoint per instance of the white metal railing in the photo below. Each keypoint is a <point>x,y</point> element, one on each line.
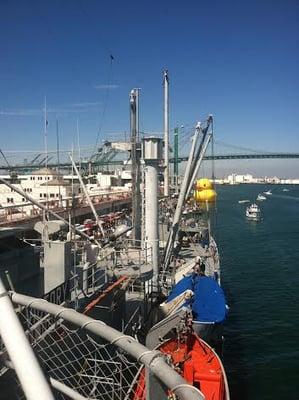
<point>92,359</point>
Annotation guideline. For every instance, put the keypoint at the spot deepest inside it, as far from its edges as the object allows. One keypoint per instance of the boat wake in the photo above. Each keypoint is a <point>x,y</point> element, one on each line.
<point>285,197</point>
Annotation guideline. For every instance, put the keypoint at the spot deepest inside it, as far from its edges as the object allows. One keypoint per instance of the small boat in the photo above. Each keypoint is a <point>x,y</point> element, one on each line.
<point>203,296</point>
<point>285,190</point>
<point>197,362</point>
<point>253,212</point>
<point>260,197</point>
<point>243,201</point>
<point>268,193</point>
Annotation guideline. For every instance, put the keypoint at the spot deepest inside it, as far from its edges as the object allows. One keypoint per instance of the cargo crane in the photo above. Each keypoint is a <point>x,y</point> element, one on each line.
<point>109,151</point>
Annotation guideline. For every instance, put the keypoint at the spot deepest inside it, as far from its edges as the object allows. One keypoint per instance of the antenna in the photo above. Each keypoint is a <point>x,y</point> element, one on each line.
<point>46,131</point>
<point>166,133</point>
<point>78,144</point>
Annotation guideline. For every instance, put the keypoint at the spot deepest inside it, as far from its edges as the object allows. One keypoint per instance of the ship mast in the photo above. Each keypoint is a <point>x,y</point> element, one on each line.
<point>135,159</point>
<point>46,151</point>
<point>166,133</point>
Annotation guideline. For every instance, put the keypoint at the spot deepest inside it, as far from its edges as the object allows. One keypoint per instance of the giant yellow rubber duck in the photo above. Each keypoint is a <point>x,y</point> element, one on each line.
<point>204,191</point>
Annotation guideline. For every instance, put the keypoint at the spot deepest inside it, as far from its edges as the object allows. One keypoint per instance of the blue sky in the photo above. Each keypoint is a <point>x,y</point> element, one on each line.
<point>237,60</point>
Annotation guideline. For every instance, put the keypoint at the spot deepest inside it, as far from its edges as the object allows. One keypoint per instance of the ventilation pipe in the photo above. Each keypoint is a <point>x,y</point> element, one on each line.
<point>152,153</point>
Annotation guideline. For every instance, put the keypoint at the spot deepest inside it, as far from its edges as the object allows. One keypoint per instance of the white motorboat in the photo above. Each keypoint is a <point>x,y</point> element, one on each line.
<point>260,197</point>
<point>243,201</point>
<point>253,212</point>
<point>268,193</point>
<point>285,190</point>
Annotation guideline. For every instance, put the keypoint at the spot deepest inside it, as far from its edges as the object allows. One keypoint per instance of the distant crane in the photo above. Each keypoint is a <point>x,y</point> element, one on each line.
<point>35,158</point>
<point>45,160</point>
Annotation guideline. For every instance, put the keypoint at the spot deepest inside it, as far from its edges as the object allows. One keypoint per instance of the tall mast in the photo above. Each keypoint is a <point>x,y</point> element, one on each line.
<point>135,158</point>
<point>46,131</point>
<point>166,133</point>
<point>46,150</point>
<point>176,158</point>
<point>58,162</point>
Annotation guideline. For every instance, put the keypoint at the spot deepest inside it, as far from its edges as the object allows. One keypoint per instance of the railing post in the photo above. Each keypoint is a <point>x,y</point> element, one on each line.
<point>33,381</point>
<point>154,387</point>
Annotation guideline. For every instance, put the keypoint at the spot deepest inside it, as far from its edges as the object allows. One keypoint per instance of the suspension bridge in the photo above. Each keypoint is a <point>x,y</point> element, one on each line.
<point>117,153</point>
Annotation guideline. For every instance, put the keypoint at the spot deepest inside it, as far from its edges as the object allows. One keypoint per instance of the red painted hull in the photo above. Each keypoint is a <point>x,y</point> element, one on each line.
<point>198,363</point>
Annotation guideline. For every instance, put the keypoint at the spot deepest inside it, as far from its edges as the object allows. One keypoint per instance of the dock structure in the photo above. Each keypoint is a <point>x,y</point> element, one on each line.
<point>103,204</point>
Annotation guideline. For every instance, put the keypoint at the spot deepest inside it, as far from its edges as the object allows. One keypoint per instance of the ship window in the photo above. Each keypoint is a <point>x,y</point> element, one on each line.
<point>45,194</point>
<point>40,195</point>
<point>52,195</point>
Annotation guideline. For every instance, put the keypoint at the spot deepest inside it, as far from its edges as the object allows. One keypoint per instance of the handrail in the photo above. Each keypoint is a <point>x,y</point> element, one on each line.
<point>152,359</point>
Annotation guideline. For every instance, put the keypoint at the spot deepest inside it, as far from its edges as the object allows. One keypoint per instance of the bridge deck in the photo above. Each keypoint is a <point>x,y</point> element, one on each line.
<point>85,164</point>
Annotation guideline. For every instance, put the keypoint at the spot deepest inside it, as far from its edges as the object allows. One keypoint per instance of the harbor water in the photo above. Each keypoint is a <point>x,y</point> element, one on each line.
<point>260,274</point>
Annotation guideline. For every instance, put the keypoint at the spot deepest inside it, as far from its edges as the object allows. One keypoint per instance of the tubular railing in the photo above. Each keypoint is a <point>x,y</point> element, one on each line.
<point>91,358</point>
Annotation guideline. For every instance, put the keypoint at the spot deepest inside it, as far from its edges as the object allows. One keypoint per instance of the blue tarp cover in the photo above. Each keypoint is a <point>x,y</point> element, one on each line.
<point>184,284</point>
<point>208,302</point>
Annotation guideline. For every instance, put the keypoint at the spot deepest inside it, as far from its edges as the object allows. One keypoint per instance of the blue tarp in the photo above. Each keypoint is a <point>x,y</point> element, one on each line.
<point>184,284</point>
<point>208,302</point>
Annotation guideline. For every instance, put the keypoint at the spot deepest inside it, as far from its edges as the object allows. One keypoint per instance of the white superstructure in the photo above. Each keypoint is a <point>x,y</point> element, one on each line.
<point>253,212</point>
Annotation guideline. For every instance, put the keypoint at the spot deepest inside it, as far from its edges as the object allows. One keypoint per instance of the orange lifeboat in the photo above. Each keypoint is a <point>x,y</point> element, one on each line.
<point>198,364</point>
